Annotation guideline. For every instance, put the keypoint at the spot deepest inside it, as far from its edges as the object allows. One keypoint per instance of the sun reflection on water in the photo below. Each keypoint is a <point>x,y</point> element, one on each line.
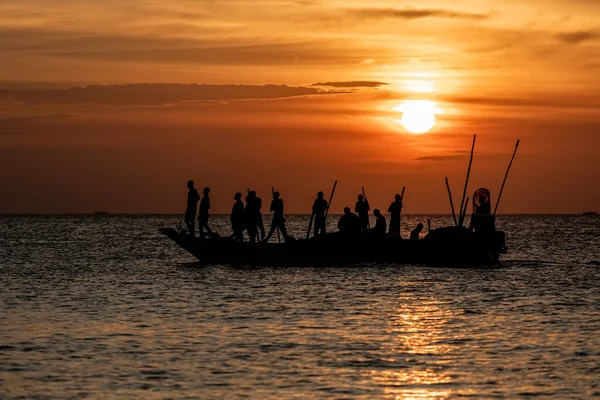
<point>419,337</point>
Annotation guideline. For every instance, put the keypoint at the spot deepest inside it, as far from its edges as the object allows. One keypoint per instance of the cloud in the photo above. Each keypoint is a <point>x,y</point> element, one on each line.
<point>158,93</point>
<point>540,100</point>
<point>447,157</point>
<point>578,37</point>
<point>458,155</point>
<point>414,13</point>
<point>351,84</point>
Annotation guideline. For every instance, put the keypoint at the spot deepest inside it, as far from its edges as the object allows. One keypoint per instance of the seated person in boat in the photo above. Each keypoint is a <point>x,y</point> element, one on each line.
<point>278,221</point>
<point>203,214</point>
<point>319,208</point>
<point>237,218</point>
<point>414,235</point>
<point>349,224</point>
<point>482,220</point>
<point>190,212</point>
<point>483,206</point>
<point>380,224</point>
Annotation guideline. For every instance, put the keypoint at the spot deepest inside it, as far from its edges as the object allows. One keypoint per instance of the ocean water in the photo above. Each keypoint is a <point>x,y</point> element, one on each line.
<point>105,307</point>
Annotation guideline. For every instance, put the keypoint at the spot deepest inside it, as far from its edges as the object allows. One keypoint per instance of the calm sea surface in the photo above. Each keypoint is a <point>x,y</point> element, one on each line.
<point>105,307</point>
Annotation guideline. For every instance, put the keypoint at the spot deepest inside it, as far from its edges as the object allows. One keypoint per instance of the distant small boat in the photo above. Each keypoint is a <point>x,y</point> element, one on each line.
<point>590,213</point>
<point>100,213</point>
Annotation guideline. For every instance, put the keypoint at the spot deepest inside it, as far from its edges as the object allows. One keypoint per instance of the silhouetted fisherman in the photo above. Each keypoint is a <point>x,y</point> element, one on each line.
<point>252,216</point>
<point>319,208</point>
<point>237,218</point>
<point>203,214</point>
<point>259,219</point>
<point>190,212</point>
<point>362,209</point>
<point>484,206</point>
<point>278,221</point>
<point>380,225</point>
<point>395,210</point>
<point>348,223</point>
<point>414,235</point>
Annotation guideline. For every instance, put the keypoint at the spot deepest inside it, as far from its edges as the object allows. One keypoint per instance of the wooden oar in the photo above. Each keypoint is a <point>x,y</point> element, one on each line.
<point>312,218</point>
<point>464,215</point>
<point>330,199</point>
<point>451,202</point>
<point>460,219</point>
<point>506,176</point>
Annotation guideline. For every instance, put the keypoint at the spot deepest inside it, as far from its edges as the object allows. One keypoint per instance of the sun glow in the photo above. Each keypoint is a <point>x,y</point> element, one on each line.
<point>418,116</point>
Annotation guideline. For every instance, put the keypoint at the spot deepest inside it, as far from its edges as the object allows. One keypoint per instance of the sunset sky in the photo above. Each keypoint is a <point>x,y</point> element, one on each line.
<point>345,71</point>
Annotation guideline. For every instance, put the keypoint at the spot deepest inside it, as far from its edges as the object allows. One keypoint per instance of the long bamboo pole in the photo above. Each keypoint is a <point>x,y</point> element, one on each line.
<point>310,223</point>
<point>460,221</point>
<point>451,202</point>
<point>330,200</point>
<point>464,214</point>
<point>506,176</point>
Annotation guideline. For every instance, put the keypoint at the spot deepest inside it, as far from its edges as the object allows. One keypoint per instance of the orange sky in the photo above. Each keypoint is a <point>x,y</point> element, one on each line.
<point>501,69</point>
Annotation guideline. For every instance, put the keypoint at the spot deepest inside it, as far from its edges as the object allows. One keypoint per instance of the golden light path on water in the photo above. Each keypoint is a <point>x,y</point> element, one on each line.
<point>418,329</point>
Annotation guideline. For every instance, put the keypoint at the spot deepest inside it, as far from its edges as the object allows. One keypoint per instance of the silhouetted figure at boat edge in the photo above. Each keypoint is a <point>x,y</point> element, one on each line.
<point>319,208</point>
<point>349,224</point>
<point>192,204</point>
<point>395,210</point>
<point>203,214</point>
<point>259,219</point>
<point>380,224</point>
<point>278,221</point>
<point>414,235</point>
<point>237,218</point>
<point>484,206</point>
<point>251,217</point>
<point>362,208</point>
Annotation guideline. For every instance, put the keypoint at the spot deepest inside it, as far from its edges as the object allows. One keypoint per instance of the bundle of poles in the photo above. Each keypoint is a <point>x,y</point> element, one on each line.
<point>462,213</point>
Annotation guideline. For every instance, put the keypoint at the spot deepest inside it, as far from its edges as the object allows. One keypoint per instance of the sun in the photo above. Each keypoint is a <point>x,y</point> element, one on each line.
<point>418,116</point>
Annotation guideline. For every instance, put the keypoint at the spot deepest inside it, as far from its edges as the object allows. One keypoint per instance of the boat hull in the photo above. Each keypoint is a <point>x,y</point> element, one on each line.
<point>461,249</point>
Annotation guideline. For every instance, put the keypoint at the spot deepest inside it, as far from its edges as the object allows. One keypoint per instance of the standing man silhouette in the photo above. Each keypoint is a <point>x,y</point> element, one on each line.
<point>203,214</point>
<point>190,213</point>
<point>237,218</point>
<point>278,221</point>
<point>319,208</point>
<point>395,210</point>
<point>250,216</point>
<point>259,221</point>
<point>362,208</point>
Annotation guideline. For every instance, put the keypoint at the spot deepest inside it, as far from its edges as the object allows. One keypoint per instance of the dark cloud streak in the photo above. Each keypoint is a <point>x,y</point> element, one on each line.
<point>409,13</point>
<point>155,94</point>
<point>351,84</point>
<point>578,37</point>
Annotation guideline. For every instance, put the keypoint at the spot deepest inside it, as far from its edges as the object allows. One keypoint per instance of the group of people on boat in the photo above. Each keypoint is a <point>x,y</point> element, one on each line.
<point>248,217</point>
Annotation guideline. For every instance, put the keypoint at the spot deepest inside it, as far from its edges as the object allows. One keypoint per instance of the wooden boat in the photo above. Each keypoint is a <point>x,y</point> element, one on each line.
<point>479,244</point>
<point>448,246</point>
<point>590,213</point>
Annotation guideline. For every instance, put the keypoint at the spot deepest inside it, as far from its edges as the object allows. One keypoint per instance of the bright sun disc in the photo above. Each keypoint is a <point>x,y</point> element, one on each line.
<point>418,116</point>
